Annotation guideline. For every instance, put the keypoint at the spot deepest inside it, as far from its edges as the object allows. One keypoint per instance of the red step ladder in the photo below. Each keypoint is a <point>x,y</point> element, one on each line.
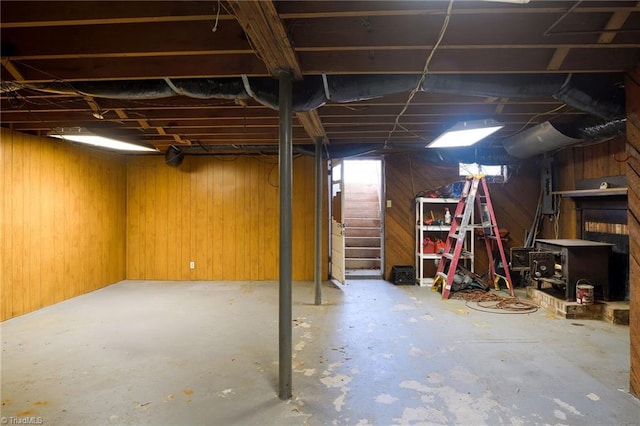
<point>475,194</point>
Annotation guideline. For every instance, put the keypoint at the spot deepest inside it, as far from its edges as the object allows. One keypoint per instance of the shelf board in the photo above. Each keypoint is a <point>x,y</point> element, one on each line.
<point>432,256</point>
<point>443,228</point>
<point>591,192</point>
<point>427,200</point>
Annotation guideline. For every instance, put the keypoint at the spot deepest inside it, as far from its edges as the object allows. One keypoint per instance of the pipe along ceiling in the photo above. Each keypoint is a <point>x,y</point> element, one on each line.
<point>600,96</point>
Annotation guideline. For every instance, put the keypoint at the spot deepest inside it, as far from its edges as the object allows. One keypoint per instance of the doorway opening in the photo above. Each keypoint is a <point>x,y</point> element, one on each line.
<point>362,217</point>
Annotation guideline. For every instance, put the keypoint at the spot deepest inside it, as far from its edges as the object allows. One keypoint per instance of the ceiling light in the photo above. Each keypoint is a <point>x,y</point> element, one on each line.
<point>511,1</point>
<point>80,135</point>
<point>466,133</point>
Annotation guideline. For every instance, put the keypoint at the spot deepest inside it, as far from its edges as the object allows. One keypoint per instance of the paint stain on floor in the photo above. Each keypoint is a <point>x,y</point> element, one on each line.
<point>385,398</point>
<point>570,408</point>
<point>337,381</point>
<point>592,396</point>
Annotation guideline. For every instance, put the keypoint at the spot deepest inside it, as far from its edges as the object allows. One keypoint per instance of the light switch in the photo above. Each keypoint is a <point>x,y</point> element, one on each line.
<point>388,204</point>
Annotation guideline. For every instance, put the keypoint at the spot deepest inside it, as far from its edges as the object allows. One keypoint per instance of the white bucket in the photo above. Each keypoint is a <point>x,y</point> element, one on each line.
<point>584,294</point>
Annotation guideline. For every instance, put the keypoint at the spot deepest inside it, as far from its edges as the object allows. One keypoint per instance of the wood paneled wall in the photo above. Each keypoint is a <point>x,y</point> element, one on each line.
<point>62,221</point>
<point>220,212</point>
<point>633,222</point>
<point>406,175</point>
<point>578,163</point>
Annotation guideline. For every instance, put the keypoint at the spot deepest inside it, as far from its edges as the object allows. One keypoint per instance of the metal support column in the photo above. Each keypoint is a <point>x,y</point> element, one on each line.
<point>286,182</point>
<point>318,222</point>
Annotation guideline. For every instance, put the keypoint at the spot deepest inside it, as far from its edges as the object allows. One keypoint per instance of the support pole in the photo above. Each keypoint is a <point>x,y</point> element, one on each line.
<point>286,182</point>
<point>318,222</point>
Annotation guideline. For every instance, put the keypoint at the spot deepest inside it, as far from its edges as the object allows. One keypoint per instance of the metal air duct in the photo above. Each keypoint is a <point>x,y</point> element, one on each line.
<point>546,137</point>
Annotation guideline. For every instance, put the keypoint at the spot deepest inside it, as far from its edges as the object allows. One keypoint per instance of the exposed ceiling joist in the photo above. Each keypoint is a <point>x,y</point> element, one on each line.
<point>267,35</point>
<point>263,27</point>
<point>558,58</point>
<point>11,68</point>
<point>89,45</point>
<point>616,22</point>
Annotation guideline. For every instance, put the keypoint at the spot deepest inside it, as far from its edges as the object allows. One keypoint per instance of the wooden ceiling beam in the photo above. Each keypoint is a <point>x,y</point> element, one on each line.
<point>346,63</point>
<point>114,21</point>
<point>11,68</point>
<point>144,124</point>
<point>322,49</point>
<point>560,54</point>
<point>96,111</point>
<point>456,11</point>
<point>147,16</point>
<point>172,53</point>
<point>133,68</point>
<point>493,61</point>
<point>465,47</point>
<point>312,124</point>
<point>270,40</point>
<point>267,35</point>
<point>615,23</point>
<point>179,39</point>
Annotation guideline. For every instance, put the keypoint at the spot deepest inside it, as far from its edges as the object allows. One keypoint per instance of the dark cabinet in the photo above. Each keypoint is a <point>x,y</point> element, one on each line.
<point>581,260</point>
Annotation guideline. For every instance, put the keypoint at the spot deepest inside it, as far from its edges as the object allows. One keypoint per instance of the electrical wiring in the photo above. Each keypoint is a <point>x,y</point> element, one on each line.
<point>556,109</point>
<point>413,185</point>
<point>561,18</point>
<point>627,158</point>
<point>493,303</point>
<point>215,25</point>
<point>425,70</point>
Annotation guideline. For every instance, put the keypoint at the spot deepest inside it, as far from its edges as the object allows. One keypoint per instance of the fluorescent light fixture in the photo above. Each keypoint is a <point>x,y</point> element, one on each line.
<point>80,135</point>
<point>511,1</point>
<point>465,133</point>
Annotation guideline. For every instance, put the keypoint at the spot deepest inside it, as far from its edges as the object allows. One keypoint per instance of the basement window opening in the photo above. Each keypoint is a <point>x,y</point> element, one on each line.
<point>497,174</point>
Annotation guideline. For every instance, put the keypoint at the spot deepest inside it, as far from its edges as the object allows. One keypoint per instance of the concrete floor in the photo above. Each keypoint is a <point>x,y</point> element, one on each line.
<point>205,353</point>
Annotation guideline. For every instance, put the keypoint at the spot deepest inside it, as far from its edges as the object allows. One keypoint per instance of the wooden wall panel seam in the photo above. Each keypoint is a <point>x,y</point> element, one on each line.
<point>63,202</point>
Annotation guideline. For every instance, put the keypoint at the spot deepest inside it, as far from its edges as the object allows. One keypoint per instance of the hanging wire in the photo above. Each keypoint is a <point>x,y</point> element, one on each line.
<point>561,18</point>
<point>425,70</point>
<point>413,185</point>
<point>215,25</point>
<point>248,39</point>
<point>556,109</point>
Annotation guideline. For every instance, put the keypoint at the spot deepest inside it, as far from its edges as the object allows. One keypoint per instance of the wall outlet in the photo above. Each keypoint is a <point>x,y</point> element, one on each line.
<point>192,265</point>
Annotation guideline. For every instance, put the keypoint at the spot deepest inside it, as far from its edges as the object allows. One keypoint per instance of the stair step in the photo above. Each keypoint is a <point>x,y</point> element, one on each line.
<point>362,263</point>
<point>361,214</point>
<point>362,241</point>
<point>363,232</point>
<point>358,252</point>
<point>359,222</point>
<point>361,196</point>
<point>362,187</point>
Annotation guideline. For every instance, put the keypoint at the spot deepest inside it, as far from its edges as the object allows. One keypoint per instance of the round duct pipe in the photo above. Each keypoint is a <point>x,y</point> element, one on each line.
<point>174,156</point>
<point>537,140</point>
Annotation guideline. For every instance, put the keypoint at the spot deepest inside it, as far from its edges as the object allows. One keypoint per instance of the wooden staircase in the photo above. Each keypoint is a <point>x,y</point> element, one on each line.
<point>363,227</point>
